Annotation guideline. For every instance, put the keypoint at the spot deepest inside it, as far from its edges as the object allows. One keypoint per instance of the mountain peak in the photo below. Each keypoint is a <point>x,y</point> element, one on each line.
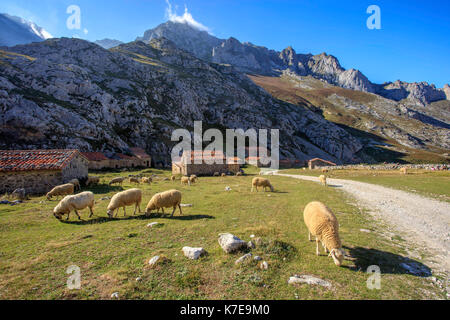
<point>15,30</point>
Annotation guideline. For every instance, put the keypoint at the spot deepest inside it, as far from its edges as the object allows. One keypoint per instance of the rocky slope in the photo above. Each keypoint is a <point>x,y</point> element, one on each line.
<point>250,58</point>
<point>70,93</point>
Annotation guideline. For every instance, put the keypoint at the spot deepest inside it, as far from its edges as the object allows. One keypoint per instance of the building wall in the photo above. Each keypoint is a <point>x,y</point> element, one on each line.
<point>77,168</point>
<point>34,182</point>
<point>203,169</point>
<point>317,163</point>
<point>176,169</point>
<point>234,168</point>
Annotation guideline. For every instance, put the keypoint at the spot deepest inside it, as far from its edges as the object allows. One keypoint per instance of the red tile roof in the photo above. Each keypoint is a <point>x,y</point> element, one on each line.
<point>318,159</point>
<point>122,156</point>
<point>205,155</point>
<point>94,156</point>
<point>29,160</point>
<point>140,153</point>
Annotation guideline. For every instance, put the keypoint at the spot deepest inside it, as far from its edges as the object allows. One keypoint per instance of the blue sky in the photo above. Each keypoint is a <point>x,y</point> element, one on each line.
<point>412,45</point>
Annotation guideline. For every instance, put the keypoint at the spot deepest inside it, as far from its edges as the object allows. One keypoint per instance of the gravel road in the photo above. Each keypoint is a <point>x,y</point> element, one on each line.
<point>424,222</point>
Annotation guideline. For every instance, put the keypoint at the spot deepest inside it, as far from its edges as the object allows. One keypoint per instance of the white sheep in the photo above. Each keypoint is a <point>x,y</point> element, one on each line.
<point>185,181</point>
<point>323,180</point>
<point>118,180</point>
<point>62,190</point>
<point>216,174</point>
<point>146,180</point>
<point>173,178</point>
<point>73,203</point>
<point>323,224</point>
<point>92,181</point>
<point>167,199</point>
<point>123,199</point>
<point>261,182</point>
<point>76,184</point>
<point>135,180</point>
<point>193,178</point>
<point>404,170</point>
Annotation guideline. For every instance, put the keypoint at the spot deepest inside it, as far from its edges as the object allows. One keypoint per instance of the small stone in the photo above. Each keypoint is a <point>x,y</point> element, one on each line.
<point>252,236</point>
<point>365,230</point>
<point>251,245</point>
<point>151,225</point>
<point>264,265</point>
<point>153,261</point>
<point>244,258</point>
<point>227,189</point>
<point>193,253</point>
<point>138,279</point>
<point>258,241</point>
<point>231,243</point>
<point>115,295</point>
<point>309,280</point>
<point>185,205</point>
<point>257,258</point>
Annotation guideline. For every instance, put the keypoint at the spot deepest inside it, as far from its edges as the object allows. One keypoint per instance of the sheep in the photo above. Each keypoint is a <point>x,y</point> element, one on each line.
<point>185,181</point>
<point>62,190</point>
<point>261,182</point>
<point>193,178</point>
<point>146,180</point>
<point>324,170</point>
<point>123,199</point>
<point>173,178</point>
<point>323,180</point>
<point>73,203</point>
<point>216,174</point>
<point>118,180</point>
<point>92,181</point>
<point>167,199</point>
<point>224,174</point>
<point>403,170</point>
<point>76,184</point>
<point>323,224</point>
<point>134,180</point>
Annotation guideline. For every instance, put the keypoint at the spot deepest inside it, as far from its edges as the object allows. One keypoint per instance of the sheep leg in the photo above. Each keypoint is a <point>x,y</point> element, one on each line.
<point>181,212</point>
<point>174,208</point>
<point>124,212</point>
<point>163,210</point>
<point>92,212</point>
<point>309,236</point>
<point>317,247</point>
<point>68,215</point>
<point>79,218</point>
<point>324,248</point>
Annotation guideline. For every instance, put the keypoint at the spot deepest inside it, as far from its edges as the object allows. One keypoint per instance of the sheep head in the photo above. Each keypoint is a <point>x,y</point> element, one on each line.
<point>338,256</point>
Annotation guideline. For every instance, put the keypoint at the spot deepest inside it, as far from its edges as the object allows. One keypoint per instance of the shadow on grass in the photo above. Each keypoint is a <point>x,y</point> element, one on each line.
<point>99,220</point>
<point>334,185</point>
<point>389,263</point>
<point>103,189</point>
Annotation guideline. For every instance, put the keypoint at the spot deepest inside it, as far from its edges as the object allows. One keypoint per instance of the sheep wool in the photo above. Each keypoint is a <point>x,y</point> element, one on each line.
<point>124,199</point>
<point>118,180</point>
<point>167,199</point>
<point>92,181</point>
<point>261,182</point>
<point>323,180</point>
<point>185,181</point>
<point>62,190</point>
<point>322,224</point>
<point>74,203</point>
<point>76,183</point>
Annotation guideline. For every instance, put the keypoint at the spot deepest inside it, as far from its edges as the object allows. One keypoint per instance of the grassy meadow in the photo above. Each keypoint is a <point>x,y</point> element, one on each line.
<point>36,249</point>
<point>434,184</point>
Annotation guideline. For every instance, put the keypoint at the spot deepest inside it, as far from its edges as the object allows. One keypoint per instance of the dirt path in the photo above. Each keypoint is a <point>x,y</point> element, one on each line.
<point>423,221</point>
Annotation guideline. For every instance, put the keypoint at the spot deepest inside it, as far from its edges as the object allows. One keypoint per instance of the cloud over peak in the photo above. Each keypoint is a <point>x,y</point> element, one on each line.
<point>186,18</point>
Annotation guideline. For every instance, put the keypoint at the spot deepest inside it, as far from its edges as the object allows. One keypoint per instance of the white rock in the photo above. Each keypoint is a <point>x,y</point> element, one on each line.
<point>244,258</point>
<point>252,236</point>
<point>227,189</point>
<point>151,225</point>
<point>251,245</point>
<point>115,295</point>
<point>138,279</point>
<point>193,253</point>
<point>309,280</point>
<point>184,205</point>
<point>230,243</point>
<point>154,260</point>
<point>264,265</point>
<point>365,230</point>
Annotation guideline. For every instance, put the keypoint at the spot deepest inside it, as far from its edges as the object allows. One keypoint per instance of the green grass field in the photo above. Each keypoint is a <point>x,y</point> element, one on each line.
<point>434,184</point>
<point>36,249</point>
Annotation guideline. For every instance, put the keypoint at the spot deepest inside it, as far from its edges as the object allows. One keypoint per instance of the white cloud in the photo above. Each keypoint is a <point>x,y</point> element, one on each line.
<point>186,18</point>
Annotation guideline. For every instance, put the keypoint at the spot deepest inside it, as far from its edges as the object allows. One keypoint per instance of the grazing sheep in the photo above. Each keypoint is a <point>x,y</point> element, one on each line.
<point>216,174</point>
<point>73,203</point>
<point>193,178</point>
<point>185,181</point>
<point>135,180</point>
<point>323,180</point>
<point>118,180</point>
<point>167,199</point>
<point>173,178</point>
<point>261,182</point>
<point>324,170</point>
<point>403,170</point>
<point>92,181</point>
<point>224,174</point>
<point>323,224</point>
<point>76,184</point>
<point>123,199</point>
<point>62,190</point>
<point>146,180</point>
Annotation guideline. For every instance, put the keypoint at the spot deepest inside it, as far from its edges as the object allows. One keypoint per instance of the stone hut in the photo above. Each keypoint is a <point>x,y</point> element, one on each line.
<point>38,171</point>
<point>97,160</point>
<point>146,160</point>
<point>206,167</point>
<point>120,160</point>
<point>317,163</point>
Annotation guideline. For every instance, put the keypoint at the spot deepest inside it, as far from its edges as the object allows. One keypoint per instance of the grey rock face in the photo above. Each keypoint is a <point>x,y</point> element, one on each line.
<point>231,243</point>
<point>70,93</point>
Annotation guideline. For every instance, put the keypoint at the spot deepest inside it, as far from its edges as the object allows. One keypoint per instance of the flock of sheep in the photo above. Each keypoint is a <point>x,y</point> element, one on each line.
<point>319,219</point>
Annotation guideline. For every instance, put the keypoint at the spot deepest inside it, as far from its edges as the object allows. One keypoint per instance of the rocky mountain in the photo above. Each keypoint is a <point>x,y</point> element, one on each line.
<point>70,93</point>
<point>108,43</point>
<point>15,30</point>
<point>249,58</point>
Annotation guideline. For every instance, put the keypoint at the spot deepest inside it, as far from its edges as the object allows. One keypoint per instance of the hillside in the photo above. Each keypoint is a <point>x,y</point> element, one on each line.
<point>70,93</point>
<point>389,130</point>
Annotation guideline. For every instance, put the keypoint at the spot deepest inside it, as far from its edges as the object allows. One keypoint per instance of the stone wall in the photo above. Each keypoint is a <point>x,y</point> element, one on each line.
<point>34,182</point>
<point>204,169</point>
<point>77,168</point>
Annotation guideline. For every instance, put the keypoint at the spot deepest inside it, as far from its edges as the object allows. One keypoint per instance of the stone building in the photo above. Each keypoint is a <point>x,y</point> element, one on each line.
<point>120,160</point>
<point>38,171</point>
<point>146,160</point>
<point>97,160</point>
<point>207,165</point>
<point>317,163</point>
